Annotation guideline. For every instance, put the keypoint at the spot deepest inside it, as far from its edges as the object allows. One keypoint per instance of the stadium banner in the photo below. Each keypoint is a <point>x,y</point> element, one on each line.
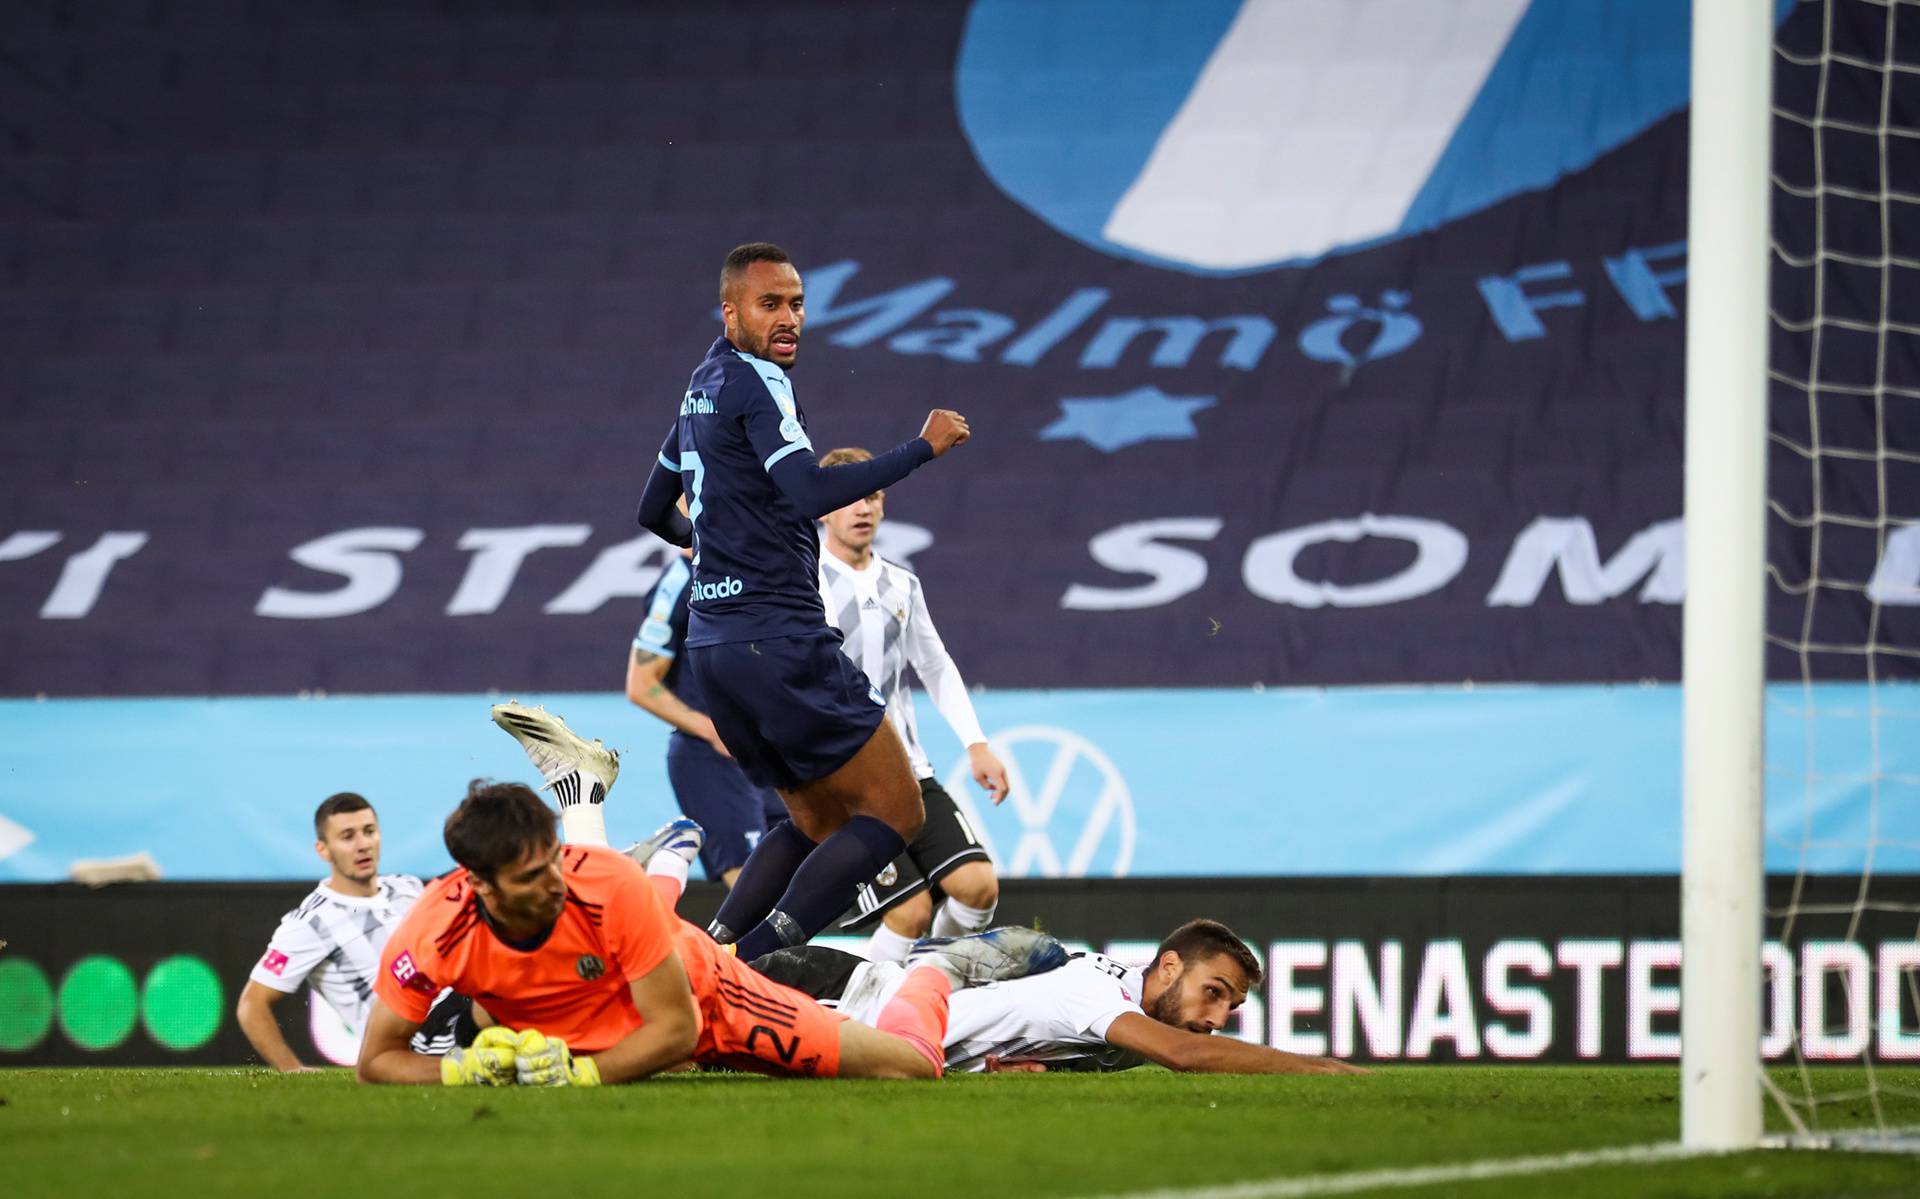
<point>1107,783</point>
<point>1569,970</point>
<point>1386,392</point>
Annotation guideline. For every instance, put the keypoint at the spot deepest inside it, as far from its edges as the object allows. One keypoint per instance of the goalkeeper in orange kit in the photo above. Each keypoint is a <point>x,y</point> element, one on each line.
<point>576,954</point>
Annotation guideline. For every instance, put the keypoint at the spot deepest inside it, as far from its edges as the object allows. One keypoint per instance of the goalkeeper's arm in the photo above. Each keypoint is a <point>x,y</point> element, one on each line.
<point>385,1055</point>
<point>669,1026</point>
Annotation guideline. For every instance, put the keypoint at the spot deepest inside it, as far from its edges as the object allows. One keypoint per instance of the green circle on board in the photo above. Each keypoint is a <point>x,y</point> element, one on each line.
<point>98,1002</point>
<point>26,1005</point>
<point>181,1003</point>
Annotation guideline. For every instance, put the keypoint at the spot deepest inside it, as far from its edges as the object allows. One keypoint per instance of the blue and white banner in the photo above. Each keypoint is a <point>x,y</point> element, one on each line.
<point>1323,511</point>
<point>1354,781</point>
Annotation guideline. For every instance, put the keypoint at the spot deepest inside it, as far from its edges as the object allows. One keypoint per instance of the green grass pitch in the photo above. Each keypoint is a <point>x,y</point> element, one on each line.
<point>251,1132</point>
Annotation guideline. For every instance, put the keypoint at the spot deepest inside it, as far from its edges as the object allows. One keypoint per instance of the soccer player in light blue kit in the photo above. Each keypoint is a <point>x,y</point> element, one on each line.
<point>794,711</point>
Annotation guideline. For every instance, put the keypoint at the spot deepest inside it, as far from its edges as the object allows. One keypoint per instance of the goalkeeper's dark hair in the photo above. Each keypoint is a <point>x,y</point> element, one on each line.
<point>495,824</point>
<point>337,805</point>
<point>741,257</point>
<point>1199,939</point>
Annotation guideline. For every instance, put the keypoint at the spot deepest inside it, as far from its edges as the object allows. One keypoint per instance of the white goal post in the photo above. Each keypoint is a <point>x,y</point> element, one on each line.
<point>1728,239</point>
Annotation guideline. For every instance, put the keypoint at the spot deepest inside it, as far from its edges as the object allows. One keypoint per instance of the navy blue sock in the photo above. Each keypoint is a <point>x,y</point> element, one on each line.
<point>824,885</point>
<point>768,870</point>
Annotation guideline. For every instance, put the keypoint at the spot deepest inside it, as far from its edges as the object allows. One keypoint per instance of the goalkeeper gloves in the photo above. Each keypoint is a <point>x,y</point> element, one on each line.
<point>543,1061</point>
<point>488,1062</point>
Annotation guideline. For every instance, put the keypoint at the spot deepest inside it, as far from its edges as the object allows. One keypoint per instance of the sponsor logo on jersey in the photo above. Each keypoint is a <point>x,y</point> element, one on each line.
<point>589,967</point>
<point>697,403</point>
<point>274,963</point>
<point>728,586</point>
<point>790,429</point>
<point>410,977</point>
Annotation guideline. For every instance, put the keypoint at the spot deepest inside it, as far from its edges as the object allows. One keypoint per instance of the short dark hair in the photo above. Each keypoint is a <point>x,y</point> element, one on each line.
<point>1197,939</point>
<point>741,257</point>
<point>336,805</point>
<point>495,824</point>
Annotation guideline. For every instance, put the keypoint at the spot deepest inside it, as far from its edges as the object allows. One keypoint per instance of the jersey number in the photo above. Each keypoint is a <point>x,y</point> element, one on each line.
<point>785,1049</point>
<point>690,464</point>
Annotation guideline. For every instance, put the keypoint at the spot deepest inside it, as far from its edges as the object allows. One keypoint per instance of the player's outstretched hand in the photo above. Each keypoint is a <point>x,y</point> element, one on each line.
<point>543,1061</point>
<point>488,1062</point>
<point>945,429</point>
<point>988,771</point>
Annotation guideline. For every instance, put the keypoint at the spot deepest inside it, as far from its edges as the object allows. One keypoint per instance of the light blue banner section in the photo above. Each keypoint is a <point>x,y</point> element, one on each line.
<point>1354,781</point>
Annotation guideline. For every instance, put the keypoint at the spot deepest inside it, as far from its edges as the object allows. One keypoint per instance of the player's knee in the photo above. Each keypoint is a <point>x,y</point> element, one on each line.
<point>975,888</point>
<point>913,918</point>
<point>908,1066</point>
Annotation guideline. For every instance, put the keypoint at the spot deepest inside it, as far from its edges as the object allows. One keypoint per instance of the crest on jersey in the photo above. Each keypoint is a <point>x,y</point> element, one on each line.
<point>589,967</point>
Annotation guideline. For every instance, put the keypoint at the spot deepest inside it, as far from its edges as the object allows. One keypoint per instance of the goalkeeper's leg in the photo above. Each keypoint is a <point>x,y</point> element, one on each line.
<point>906,1041</point>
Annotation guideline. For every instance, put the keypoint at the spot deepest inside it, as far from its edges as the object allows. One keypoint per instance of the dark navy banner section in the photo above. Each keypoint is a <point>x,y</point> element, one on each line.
<point>1464,969</point>
<point>338,339</point>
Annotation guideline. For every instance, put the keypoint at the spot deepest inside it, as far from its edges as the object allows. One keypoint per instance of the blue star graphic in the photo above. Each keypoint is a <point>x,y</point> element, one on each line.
<point>1109,423</point>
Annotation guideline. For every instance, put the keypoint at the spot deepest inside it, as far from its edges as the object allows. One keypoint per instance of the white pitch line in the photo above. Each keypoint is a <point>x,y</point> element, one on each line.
<point>1420,1176</point>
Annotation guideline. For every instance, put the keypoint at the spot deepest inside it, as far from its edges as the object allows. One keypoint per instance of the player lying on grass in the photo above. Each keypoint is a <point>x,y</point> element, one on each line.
<point>332,941</point>
<point>1093,1013</point>
<point>573,947</point>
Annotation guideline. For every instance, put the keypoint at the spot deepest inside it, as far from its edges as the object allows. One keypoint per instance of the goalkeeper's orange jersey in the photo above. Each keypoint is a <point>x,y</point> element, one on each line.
<point>574,984</point>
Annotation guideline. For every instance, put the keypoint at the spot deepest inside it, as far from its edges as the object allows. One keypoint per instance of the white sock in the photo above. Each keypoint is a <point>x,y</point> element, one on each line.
<point>887,945</point>
<point>582,823</point>
<point>667,864</point>
<point>956,919</point>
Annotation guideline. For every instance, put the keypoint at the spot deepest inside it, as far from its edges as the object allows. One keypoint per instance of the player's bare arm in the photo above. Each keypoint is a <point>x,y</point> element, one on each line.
<point>255,1013</point>
<point>647,689</point>
<point>385,1056</point>
<point>1199,1053</point>
<point>669,1026</point>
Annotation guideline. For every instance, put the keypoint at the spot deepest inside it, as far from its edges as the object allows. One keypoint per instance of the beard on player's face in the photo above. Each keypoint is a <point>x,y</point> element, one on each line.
<point>763,312</point>
<point>529,891</point>
<point>1181,1003</point>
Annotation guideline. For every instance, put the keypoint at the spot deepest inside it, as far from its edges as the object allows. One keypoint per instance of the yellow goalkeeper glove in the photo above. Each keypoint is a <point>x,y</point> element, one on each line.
<point>543,1061</point>
<point>488,1062</point>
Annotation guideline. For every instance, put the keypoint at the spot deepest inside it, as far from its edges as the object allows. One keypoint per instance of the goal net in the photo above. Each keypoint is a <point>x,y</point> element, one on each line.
<point>1841,966</point>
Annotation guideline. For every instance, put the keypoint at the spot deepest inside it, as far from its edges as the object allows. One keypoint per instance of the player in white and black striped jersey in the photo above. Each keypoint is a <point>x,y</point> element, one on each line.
<point>1093,1013</point>
<point>332,941</point>
<point>881,612</point>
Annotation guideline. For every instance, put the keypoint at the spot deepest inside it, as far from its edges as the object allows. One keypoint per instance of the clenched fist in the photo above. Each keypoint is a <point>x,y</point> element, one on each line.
<point>944,430</point>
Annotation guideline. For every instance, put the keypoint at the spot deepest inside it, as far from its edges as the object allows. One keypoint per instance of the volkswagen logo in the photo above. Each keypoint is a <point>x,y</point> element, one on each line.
<point>1068,811</point>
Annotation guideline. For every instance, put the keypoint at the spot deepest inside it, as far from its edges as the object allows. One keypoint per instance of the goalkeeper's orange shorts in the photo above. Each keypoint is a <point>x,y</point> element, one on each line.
<point>753,1023</point>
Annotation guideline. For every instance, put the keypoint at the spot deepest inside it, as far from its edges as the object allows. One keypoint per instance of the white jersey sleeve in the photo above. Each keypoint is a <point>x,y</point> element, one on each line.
<point>931,661</point>
<point>297,946</point>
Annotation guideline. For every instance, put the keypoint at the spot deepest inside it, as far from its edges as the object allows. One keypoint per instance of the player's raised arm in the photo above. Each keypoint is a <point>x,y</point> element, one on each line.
<point>1198,1053</point>
<point>817,490</point>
